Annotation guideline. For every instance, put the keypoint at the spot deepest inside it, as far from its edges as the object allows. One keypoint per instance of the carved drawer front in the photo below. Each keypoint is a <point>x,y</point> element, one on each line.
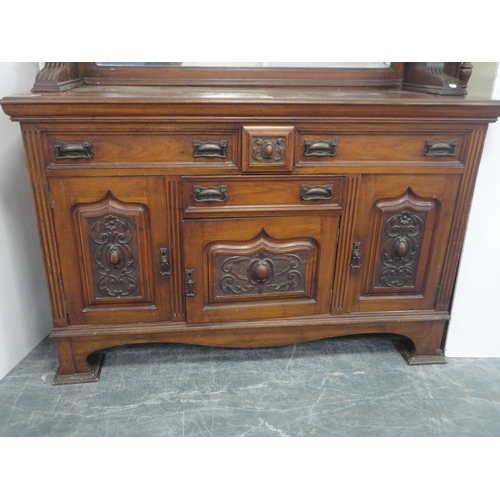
<point>216,148</point>
<point>229,196</point>
<point>275,267</point>
<point>400,241</point>
<point>111,235</point>
<point>334,148</point>
<point>267,149</point>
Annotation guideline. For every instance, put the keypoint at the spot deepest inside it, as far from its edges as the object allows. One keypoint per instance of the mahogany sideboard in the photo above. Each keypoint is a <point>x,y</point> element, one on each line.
<point>247,215</point>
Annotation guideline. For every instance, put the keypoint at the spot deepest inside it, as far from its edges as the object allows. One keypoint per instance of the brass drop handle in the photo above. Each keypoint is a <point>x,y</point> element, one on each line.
<point>73,150</point>
<point>165,264</point>
<point>440,148</point>
<point>210,149</point>
<point>210,194</point>
<point>356,257</point>
<point>320,148</point>
<point>317,192</point>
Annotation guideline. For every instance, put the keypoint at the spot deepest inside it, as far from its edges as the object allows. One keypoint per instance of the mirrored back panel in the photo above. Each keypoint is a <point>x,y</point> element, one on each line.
<point>363,74</point>
<point>348,65</point>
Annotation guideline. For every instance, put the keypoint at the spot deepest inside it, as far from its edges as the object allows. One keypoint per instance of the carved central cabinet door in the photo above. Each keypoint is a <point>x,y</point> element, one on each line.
<point>401,233</point>
<point>257,268</point>
<point>112,244</point>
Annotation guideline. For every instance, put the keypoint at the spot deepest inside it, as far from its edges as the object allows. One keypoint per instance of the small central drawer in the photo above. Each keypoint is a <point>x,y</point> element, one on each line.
<point>228,196</point>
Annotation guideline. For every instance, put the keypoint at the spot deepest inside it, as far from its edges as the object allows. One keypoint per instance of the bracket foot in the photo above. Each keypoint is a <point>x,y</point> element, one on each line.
<point>405,348</point>
<point>95,362</point>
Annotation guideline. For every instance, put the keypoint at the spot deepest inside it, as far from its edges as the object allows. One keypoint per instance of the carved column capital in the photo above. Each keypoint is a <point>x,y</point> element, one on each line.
<point>57,77</point>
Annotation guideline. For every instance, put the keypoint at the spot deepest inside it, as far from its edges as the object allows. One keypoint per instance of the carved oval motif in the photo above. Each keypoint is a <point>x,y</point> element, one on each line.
<point>261,271</point>
<point>115,256</point>
<point>268,150</point>
<point>401,248</point>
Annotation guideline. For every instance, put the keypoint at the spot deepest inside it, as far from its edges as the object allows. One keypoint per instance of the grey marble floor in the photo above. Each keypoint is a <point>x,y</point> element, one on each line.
<point>356,386</point>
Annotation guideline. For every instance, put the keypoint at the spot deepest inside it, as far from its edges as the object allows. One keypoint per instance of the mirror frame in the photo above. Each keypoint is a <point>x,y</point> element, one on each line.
<point>440,78</point>
<point>93,74</point>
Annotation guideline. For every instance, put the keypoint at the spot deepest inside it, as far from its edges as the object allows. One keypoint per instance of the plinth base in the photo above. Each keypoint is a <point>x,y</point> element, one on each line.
<point>95,362</point>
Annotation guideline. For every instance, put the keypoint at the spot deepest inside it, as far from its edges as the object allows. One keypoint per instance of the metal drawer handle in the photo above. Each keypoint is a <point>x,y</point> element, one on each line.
<point>440,148</point>
<point>356,257</point>
<point>210,194</point>
<point>190,292</point>
<point>317,192</point>
<point>165,263</point>
<point>320,148</point>
<point>210,149</point>
<point>73,150</point>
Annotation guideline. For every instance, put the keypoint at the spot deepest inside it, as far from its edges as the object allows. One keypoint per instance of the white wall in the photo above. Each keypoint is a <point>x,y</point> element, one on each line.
<point>24,308</point>
<point>475,325</point>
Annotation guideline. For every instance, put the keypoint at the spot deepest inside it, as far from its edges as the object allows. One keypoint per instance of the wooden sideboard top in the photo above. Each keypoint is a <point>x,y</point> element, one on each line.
<point>251,101</point>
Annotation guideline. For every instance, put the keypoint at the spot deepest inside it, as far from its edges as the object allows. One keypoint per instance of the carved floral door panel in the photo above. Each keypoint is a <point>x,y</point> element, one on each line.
<point>259,268</point>
<point>113,248</point>
<point>400,239</point>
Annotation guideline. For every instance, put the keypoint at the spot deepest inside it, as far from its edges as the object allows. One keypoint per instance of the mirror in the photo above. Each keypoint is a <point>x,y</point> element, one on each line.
<point>244,74</point>
<point>339,65</point>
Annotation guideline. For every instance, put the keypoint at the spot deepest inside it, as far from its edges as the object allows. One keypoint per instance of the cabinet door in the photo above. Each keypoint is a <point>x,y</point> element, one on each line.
<point>275,267</point>
<point>111,235</point>
<point>400,238</point>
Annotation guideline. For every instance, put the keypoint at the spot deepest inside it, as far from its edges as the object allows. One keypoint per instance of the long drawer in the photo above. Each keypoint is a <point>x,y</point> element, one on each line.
<point>336,147</point>
<point>228,196</point>
<point>183,148</point>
